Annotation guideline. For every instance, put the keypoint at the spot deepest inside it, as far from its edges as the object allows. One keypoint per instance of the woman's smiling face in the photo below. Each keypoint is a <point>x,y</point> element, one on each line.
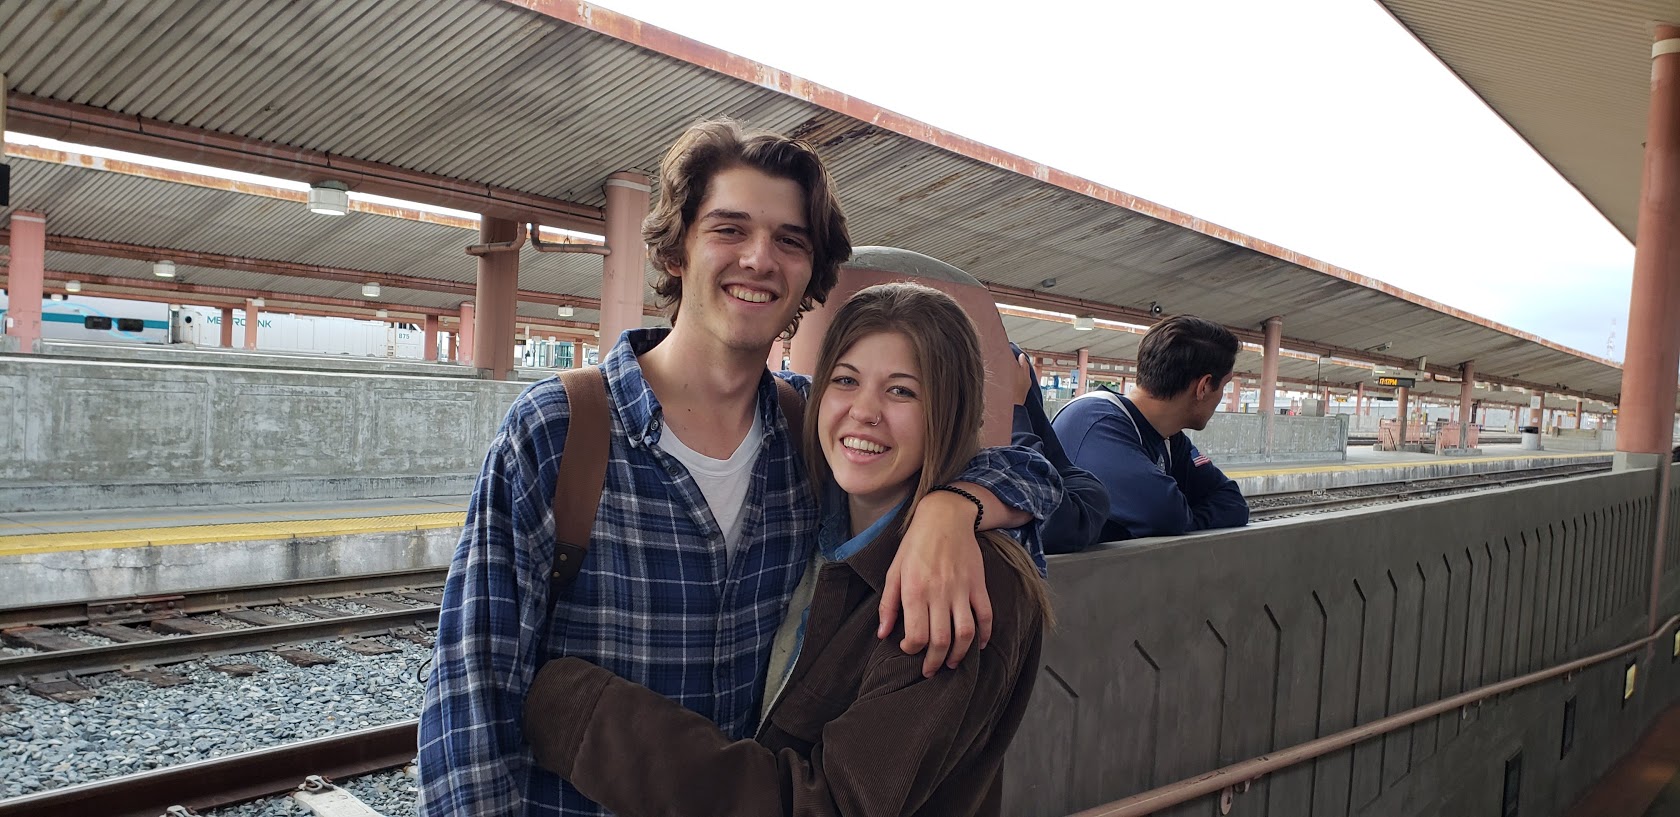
<point>872,423</point>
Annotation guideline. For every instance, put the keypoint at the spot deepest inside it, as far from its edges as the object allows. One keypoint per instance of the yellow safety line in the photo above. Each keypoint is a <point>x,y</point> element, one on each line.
<point>1366,466</point>
<point>21,544</point>
<point>175,521</point>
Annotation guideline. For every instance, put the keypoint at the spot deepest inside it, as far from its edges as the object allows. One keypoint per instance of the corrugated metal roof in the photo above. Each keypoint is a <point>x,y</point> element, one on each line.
<point>1573,78</point>
<point>550,101</point>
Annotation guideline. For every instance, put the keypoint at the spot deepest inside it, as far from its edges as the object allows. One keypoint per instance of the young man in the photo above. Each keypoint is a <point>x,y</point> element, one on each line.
<point>1158,483</point>
<point>706,519</point>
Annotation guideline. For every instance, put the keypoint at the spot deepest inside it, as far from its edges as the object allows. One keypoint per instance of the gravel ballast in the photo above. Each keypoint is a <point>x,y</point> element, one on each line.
<point>132,726</point>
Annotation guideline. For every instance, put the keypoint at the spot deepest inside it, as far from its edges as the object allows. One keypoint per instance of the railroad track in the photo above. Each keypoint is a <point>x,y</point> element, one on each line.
<point>157,631</point>
<point>1388,492</point>
<point>224,781</point>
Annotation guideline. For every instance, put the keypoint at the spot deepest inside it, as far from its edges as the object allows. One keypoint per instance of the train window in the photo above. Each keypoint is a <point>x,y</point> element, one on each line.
<point>130,325</point>
<point>96,322</point>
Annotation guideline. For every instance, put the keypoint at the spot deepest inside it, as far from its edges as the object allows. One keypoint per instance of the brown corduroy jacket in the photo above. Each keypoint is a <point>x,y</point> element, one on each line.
<point>857,731</point>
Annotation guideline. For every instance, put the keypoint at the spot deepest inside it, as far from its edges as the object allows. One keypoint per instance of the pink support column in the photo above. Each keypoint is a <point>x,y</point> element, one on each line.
<point>26,279</point>
<point>1401,395</point>
<point>1579,405</point>
<point>1359,399</point>
<point>253,319</point>
<point>497,299</point>
<point>1466,401</point>
<point>1231,401</point>
<point>464,338</point>
<point>1084,372</point>
<point>624,279</point>
<point>227,327</point>
<point>1269,366</point>
<point>1646,423</point>
<point>428,338</point>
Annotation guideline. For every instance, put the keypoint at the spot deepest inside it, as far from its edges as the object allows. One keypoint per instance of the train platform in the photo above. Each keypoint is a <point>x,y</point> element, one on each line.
<point>58,531</point>
<point>105,553</point>
<point>55,556</point>
<point>1365,466</point>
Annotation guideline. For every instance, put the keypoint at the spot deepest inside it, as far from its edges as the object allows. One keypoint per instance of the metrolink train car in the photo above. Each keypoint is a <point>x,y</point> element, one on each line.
<point>113,320</point>
<point>101,319</point>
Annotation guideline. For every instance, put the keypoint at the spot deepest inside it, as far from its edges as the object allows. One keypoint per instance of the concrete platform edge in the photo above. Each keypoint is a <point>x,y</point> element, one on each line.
<point>112,495</point>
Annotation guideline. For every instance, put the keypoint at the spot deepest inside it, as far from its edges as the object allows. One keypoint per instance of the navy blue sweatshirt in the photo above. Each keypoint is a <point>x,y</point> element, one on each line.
<point>1156,487</point>
<point>1077,523</point>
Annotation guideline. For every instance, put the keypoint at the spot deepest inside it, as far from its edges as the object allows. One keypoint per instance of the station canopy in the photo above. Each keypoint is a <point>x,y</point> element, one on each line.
<point>493,107</point>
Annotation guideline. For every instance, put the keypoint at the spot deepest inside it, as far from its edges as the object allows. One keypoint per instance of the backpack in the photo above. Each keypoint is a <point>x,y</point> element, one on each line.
<point>583,467</point>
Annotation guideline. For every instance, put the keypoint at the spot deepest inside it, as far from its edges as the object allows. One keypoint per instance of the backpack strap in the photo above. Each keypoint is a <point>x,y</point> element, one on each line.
<point>793,409</point>
<point>583,472</point>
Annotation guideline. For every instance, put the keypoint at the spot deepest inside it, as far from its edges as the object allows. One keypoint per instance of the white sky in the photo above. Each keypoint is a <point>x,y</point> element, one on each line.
<point>1320,125</point>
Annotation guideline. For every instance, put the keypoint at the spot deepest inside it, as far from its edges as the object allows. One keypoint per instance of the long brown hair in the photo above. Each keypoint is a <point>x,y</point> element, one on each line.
<point>953,378</point>
<point>713,146</point>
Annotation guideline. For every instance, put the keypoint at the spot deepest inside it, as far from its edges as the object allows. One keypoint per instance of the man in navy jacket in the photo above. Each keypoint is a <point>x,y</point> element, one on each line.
<point>1158,483</point>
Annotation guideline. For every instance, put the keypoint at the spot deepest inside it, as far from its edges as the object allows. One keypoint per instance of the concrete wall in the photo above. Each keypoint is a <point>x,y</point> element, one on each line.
<point>80,433</point>
<point>1570,439</point>
<point>1233,439</point>
<point>1175,657</point>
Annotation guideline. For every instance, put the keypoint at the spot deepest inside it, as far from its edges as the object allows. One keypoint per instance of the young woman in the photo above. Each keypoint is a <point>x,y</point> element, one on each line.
<point>853,727</point>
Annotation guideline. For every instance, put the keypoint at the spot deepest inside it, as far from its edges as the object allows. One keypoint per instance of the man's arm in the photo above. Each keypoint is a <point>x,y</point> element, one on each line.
<point>1077,522</point>
<point>1215,499</point>
<point>472,754</point>
<point>938,572</point>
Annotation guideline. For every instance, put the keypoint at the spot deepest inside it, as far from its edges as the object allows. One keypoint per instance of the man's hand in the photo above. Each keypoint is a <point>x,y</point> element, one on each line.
<point>1023,379</point>
<point>941,579</point>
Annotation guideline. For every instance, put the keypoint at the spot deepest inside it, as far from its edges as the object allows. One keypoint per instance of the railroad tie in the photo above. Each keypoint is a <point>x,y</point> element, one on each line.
<point>121,634</point>
<point>40,638</point>
<point>256,617</point>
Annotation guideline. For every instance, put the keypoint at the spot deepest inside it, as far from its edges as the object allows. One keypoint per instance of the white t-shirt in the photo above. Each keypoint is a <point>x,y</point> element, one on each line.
<point>723,482</point>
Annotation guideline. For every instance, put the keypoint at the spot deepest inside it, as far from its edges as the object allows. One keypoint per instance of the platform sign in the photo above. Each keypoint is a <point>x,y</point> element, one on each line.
<point>1397,382</point>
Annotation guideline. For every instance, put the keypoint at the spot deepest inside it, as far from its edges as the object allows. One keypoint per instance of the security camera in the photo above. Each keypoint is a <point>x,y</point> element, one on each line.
<point>1154,308</point>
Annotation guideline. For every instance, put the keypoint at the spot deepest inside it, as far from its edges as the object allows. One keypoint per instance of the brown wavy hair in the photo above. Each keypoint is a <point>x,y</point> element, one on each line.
<point>715,145</point>
<point>953,382</point>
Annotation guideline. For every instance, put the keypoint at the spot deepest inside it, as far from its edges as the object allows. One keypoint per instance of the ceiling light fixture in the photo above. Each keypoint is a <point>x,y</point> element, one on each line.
<point>370,290</point>
<point>1084,323</point>
<point>163,269</point>
<point>72,286</point>
<point>258,303</point>
<point>329,198</point>
<point>566,311</point>
<point>380,313</point>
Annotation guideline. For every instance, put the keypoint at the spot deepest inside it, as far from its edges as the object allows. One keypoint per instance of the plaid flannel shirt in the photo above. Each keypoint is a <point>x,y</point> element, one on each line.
<point>656,602</point>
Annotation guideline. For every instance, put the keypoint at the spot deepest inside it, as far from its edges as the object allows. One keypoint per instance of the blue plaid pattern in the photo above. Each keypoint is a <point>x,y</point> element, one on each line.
<point>656,601</point>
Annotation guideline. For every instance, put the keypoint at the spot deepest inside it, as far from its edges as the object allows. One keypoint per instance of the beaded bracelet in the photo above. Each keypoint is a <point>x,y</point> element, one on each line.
<point>979,507</point>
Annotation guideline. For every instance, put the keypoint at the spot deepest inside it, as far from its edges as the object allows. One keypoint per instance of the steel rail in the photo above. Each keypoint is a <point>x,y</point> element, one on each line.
<point>219,598</point>
<point>176,649</point>
<point>1416,489</point>
<point>1240,774</point>
<point>223,781</point>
